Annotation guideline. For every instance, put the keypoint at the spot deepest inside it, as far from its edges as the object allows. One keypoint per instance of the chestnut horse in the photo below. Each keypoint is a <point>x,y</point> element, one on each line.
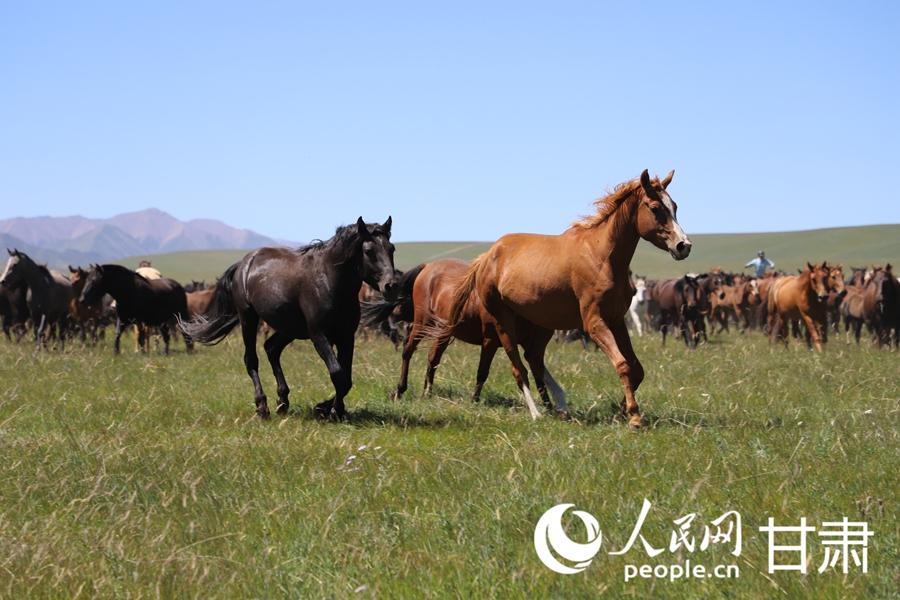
<point>311,293</point>
<point>577,279</point>
<point>427,305</point>
<point>801,298</point>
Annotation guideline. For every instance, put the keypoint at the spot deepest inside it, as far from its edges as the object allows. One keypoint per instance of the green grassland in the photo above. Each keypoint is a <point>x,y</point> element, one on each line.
<point>856,246</point>
<point>147,476</point>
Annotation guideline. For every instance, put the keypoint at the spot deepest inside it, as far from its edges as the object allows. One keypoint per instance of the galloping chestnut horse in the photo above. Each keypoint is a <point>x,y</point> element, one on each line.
<point>577,279</point>
<point>154,303</point>
<point>801,298</point>
<point>427,305</point>
<point>48,298</point>
<point>308,293</point>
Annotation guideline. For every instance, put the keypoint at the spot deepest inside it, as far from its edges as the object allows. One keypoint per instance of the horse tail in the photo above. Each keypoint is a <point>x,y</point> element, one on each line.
<point>461,293</point>
<point>221,317</point>
<point>377,312</point>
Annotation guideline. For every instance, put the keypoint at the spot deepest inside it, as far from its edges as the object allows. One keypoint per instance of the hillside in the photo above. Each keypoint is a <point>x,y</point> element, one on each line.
<point>857,246</point>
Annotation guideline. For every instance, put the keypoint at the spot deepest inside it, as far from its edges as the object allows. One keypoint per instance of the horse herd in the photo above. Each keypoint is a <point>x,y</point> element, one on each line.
<point>521,292</point>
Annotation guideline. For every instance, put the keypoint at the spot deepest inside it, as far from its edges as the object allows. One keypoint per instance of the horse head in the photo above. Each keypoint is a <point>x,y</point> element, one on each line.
<point>818,280</point>
<point>656,219</point>
<point>836,274</point>
<point>93,286</point>
<point>12,275</point>
<point>376,265</point>
<point>640,289</point>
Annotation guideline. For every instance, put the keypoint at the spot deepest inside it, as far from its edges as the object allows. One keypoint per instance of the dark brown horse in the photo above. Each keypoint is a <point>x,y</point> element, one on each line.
<point>882,306</point>
<point>677,299</point>
<point>49,294</point>
<point>86,317</point>
<point>577,279</point>
<point>427,304</point>
<point>14,313</point>
<point>144,302</point>
<point>308,293</point>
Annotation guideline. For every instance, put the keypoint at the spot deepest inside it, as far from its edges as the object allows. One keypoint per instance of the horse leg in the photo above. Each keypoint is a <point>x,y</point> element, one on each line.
<point>39,334</point>
<point>506,332</point>
<point>615,343</point>
<point>489,348</point>
<point>812,331</point>
<point>249,322</point>
<point>119,327</point>
<point>434,359</point>
<point>534,353</point>
<point>339,369</point>
<point>409,348</point>
<point>637,321</point>
<point>164,330</point>
<point>274,346</point>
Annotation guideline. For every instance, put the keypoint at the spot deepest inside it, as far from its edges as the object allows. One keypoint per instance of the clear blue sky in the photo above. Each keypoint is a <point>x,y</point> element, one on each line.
<point>463,120</point>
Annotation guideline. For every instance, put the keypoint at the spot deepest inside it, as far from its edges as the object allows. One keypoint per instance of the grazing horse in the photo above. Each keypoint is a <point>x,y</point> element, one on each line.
<point>427,305</point>
<point>881,306</point>
<point>48,298</point>
<point>677,299</point>
<point>577,279</point>
<point>801,298</point>
<point>308,293</point>
<point>144,302</point>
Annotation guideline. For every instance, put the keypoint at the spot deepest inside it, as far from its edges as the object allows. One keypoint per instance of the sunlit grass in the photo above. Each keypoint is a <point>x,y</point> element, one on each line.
<point>146,476</point>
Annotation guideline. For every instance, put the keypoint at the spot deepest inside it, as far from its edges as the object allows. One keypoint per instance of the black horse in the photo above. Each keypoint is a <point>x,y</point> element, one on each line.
<point>48,298</point>
<point>155,303</point>
<point>14,312</point>
<point>308,293</point>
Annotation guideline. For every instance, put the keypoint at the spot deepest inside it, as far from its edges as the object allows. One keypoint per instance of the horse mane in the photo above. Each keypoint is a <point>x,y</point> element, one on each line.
<point>344,241</point>
<point>609,204</point>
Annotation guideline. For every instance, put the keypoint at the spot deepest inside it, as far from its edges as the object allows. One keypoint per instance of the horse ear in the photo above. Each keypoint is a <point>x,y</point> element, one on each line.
<point>387,225</point>
<point>71,270</point>
<point>665,182</point>
<point>10,252</point>
<point>361,227</point>
<point>648,187</point>
<point>811,268</point>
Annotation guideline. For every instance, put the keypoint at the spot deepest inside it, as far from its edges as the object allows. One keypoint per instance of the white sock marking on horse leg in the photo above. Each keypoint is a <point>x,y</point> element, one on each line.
<point>529,402</point>
<point>556,392</point>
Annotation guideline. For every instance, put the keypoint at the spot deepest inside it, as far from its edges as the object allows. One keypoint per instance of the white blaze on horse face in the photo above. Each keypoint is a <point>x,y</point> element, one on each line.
<point>10,264</point>
<point>677,231</point>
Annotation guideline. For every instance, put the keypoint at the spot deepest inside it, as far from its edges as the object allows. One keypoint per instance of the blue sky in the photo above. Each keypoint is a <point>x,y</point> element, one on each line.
<point>463,120</point>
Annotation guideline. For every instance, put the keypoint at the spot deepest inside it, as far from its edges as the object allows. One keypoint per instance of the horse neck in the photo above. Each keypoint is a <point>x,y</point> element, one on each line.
<point>343,273</point>
<point>35,277</point>
<point>615,240</point>
<point>116,282</point>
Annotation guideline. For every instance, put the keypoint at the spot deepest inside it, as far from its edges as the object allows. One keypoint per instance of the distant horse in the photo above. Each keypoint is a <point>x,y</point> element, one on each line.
<point>49,294</point>
<point>87,317</point>
<point>857,276</point>
<point>577,279</point>
<point>308,293</point>
<point>198,302</point>
<point>142,333</point>
<point>638,299</point>
<point>144,302</point>
<point>882,306</point>
<point>14,312</point>
<point>677,300</point>
<point>836,297</point>
<point>801,298</point>
<point>853,311</point>
<point>427,305</point>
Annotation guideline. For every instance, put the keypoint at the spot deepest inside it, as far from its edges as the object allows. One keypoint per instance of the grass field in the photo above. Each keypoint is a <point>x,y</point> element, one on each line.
<point>856,246</point>
<point>139,476</point>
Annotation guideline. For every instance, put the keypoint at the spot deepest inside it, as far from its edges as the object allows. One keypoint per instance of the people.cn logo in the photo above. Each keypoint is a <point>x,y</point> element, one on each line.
<point>549,534</point>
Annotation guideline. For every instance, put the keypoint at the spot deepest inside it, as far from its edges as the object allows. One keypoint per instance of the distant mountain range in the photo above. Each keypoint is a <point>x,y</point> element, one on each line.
<point>61,241</point>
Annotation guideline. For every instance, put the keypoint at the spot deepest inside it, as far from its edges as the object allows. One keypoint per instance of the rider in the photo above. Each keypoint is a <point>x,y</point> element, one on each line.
<point>760,263</point>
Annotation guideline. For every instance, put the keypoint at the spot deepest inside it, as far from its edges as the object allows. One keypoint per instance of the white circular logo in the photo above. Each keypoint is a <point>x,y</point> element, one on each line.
<point>549,534</point>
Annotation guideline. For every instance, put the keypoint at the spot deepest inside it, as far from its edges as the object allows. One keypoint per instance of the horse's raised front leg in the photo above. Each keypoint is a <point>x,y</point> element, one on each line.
<point>614,341</point>
<point>274,346</point>
<point>339,367</point>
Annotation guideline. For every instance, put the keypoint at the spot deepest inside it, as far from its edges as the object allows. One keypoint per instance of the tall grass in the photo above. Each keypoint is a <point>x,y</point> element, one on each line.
<point>144,476</point>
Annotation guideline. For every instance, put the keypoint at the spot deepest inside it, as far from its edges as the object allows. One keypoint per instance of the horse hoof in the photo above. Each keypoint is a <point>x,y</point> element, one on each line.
<point>395,395</point>
<point>282,409</point>
<point>262,413</point>
<point>561,415</point>
<point>635,424</point>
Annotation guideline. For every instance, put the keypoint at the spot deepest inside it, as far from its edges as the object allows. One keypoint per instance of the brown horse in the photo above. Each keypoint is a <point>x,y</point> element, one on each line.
<point>801,298</point>
<point>577,279</point>
<point>198,301</point>
<point>677,299</point>
<point>430,300</point>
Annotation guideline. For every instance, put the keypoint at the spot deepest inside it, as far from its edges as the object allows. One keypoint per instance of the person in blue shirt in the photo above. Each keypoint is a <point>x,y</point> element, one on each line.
<point>760,263</point>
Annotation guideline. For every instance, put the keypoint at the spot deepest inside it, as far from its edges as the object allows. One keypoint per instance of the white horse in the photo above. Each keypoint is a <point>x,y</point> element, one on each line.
<point>640,294</point>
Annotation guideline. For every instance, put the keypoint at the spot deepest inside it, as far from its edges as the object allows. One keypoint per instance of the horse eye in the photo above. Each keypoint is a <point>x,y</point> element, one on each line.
<point>659,213</point>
